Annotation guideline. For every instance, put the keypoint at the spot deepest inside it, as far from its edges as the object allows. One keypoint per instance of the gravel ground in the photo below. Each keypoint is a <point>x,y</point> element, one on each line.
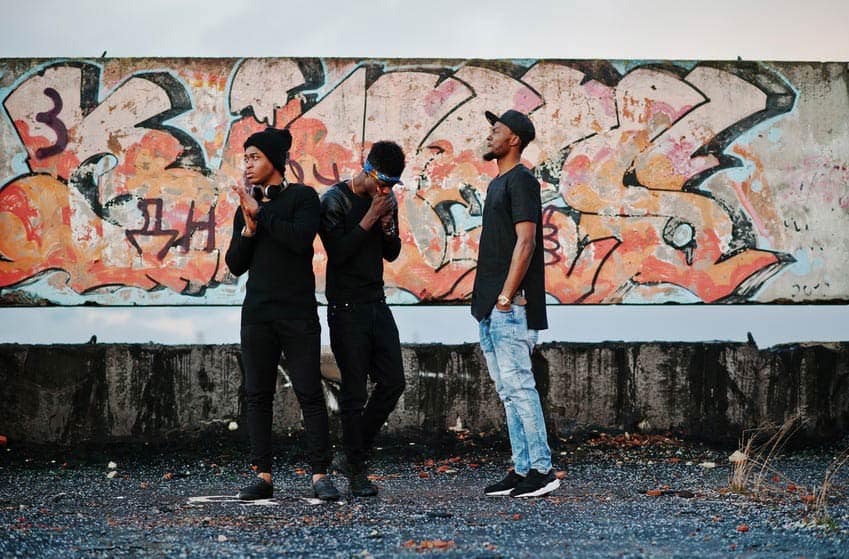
<point>431,503</point>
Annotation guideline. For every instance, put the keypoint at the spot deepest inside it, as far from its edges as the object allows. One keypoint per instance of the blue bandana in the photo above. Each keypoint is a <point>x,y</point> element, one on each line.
<point>370,170</point>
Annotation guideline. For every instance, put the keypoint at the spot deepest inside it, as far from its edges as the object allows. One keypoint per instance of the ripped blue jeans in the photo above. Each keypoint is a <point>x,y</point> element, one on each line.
<point>507,344</point>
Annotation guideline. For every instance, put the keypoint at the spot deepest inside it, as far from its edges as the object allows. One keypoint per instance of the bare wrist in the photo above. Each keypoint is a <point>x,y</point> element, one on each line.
<point>367,222</point>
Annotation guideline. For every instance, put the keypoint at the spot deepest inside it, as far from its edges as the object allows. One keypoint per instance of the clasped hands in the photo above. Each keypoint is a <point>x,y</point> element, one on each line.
<point>249,206</point>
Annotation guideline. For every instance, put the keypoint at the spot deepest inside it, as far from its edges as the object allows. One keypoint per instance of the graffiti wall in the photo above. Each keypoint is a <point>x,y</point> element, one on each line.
<point>685,182</point>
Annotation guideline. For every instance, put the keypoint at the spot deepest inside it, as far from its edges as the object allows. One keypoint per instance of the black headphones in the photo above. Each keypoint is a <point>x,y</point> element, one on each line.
<point>271,191</point>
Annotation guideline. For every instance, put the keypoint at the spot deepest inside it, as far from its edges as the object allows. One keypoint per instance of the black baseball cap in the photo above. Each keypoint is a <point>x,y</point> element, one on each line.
<point>517,122</point>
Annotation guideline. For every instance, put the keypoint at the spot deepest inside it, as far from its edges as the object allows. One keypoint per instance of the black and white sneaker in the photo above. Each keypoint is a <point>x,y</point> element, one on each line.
<point>260,489</point>
<point>505,486</point>
<point>324,489</point>
<point>536,484</point>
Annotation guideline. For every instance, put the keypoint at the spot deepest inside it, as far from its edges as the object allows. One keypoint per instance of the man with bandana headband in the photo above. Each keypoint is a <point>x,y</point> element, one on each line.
<point>359,230</point>
<point>273,233</point>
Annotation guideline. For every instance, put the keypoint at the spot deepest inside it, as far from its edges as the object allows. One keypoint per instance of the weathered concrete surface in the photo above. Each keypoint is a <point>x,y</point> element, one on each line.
<point>99,393</point>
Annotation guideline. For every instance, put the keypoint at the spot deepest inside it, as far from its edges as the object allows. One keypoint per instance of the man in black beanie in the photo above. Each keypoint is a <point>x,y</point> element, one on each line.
<point>273,233</point>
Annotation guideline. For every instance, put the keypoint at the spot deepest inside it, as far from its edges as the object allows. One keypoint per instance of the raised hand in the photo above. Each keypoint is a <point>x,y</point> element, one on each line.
<point>381,204</point>
<point>249,208</point>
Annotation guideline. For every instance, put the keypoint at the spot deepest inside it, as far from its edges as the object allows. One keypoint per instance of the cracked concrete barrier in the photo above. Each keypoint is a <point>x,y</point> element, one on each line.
<point>97,394</point>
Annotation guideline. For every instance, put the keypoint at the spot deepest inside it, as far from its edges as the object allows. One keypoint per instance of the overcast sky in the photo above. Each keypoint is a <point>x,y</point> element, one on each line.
<point>649,29</point>
<point>815,30</point>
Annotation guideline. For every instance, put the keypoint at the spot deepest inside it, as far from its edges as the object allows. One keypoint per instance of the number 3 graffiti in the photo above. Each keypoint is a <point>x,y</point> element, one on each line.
<point>51,119</point>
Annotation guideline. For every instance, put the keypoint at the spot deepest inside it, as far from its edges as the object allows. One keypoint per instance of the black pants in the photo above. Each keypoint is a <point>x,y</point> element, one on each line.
<point>300,342</point>
<point>365,343</point>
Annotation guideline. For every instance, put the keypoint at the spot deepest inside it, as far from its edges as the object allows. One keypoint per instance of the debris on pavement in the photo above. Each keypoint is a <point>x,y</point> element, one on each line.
<point>620,494</point>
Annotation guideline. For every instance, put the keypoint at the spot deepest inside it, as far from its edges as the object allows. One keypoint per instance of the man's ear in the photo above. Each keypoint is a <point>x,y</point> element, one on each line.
<point>516,141</point>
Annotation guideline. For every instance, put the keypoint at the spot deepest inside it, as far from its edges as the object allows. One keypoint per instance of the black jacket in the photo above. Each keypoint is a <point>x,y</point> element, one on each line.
<point>354,256</point>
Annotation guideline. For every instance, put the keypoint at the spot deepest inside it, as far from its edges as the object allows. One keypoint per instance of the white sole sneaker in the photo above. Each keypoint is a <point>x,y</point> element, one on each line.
<point>548,488</point>
<point>502,493</point>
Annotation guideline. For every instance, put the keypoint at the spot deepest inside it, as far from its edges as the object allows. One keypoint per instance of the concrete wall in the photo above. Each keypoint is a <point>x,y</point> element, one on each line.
<point>677,182</point>
<point>98,393</point>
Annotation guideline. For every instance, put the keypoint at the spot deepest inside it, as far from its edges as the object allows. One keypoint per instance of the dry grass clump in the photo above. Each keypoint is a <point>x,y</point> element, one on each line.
<point>753,473</point>
<point>818,507</point>
<point>752,469</point>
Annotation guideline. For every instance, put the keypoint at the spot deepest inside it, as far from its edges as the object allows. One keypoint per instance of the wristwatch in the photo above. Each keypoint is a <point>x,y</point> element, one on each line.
<point>503,300</point>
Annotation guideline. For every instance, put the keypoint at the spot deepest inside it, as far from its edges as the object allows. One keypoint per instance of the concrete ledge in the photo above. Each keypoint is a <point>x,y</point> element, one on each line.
<point>104,393</point>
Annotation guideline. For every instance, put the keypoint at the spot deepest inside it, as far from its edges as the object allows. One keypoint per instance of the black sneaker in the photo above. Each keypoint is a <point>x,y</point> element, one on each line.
<point>340,464</point>
<point>360,484</point>
<point>325,490</point>
<point>261,489</point>
<point>536,484</point>
<point>505,486</point>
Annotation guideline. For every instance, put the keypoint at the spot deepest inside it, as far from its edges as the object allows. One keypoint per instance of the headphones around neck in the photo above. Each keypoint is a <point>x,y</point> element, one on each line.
<point>271,191</point>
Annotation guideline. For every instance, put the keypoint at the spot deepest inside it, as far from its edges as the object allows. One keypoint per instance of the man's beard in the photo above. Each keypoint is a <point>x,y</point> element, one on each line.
<point>489,156</point>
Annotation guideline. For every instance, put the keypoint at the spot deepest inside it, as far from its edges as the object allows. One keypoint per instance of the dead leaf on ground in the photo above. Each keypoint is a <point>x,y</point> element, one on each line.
<point>425,545</point>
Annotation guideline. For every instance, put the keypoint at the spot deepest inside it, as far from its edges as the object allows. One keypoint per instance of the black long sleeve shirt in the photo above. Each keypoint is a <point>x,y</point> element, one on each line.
<point>354,256</point>
<point>281,282</point>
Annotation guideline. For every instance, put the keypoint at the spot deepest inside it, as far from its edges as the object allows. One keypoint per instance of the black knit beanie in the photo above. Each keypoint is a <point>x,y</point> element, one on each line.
<point>274,144</point>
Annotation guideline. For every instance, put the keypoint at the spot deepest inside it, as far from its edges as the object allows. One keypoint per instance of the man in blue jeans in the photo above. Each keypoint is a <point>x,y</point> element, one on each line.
<point>509,302</point>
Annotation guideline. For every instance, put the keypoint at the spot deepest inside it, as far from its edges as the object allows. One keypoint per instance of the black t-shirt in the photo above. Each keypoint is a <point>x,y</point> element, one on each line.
<point>510,198</point>
<point>281,282</point>
<point>354,256</point>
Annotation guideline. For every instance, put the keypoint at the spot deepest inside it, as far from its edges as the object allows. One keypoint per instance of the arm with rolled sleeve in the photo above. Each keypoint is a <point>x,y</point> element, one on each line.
<point>241,249</point>
<point>339,244</point>
<point>297,235</point>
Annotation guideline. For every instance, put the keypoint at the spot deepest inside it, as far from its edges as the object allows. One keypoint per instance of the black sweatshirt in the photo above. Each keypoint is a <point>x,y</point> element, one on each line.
<point>354,255</point>
<point>281,283</point>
